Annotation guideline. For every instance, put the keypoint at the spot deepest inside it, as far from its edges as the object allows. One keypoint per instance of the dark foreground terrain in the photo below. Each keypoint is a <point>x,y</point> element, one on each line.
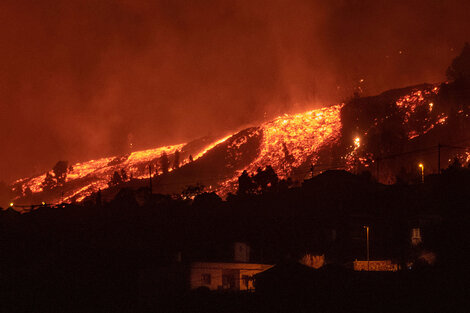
<point>92,257</point>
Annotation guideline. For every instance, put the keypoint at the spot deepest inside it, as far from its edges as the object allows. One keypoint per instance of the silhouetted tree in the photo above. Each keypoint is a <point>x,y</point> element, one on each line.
<point>164,163</point>
<point>245,184</point>
<point>265,179</point>
<point>57,177</point>
<point>459,69</point>
<point>260,179</point>
<point>49,182</point>
<point>60,172</point>
<point>98,198</point>
<point>115,180</point>
<point>287,156</point>
<point>176,160</point>
<point>28,192</point>
<point>271,177</point>
<point>124,175</point>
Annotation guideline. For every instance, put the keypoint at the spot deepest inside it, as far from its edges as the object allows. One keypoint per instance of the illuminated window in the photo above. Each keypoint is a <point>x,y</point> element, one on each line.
<point>416,236</point>
<point>206,279</point>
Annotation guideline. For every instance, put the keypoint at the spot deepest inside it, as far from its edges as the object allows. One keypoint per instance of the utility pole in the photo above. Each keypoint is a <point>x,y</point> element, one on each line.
<point>377,169</point>
<point>98,198</point>
<point>367,238</point>
<point>439,158</point>
<point>150,177</point>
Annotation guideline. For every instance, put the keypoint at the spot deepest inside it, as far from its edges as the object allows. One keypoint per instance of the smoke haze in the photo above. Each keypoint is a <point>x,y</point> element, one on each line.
<point>84,79</point>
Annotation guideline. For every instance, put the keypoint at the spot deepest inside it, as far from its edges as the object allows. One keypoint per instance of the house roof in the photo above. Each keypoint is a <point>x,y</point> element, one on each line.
<point>230,265</point>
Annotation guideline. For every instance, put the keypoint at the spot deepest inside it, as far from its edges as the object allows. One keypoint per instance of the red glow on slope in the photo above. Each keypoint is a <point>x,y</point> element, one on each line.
<point>291,140</point>
<point>415,101</point>
<point>287,143</point>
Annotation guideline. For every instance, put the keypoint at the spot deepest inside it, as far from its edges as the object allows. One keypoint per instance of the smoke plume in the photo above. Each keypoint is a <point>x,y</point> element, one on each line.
<point>85,79</point>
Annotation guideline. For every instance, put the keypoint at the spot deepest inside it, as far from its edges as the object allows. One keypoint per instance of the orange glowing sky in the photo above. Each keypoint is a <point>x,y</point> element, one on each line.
<point>83,80</point>
<point>291,144</point>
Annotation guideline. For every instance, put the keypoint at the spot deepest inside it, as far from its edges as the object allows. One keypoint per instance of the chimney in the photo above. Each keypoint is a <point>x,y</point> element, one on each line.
<point>241,252</point>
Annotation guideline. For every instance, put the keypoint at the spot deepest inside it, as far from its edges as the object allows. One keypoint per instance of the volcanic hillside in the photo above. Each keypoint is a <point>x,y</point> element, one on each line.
<point>288,143</point>
<point>386,135</point>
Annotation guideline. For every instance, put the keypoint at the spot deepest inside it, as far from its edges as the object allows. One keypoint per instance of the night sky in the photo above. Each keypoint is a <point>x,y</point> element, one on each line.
<point>83,79</point>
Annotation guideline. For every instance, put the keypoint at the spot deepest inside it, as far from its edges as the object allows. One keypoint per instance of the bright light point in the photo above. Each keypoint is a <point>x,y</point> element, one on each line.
<point>12,204</point>
<point>43,203</point>
<point>421,166</point>
<point>361,80</point>
<point>357,142</point>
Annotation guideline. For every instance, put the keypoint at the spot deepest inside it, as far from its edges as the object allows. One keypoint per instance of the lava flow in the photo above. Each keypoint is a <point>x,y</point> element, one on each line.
<point>291,144</point>
<point>96,173</point>
<point>290,140</point>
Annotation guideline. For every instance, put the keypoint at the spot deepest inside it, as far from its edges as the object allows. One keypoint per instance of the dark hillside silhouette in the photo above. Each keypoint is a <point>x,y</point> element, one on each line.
<point>74,252</point>
<point>101,249</point>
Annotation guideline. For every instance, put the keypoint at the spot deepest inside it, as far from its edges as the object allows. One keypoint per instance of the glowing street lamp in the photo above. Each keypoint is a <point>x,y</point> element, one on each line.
<point>422,171</point>
<point>367,234</point>
<point>11,204</point>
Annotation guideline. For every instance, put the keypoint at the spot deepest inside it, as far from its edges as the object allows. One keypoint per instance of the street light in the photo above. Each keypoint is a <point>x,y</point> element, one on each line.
<point>11,204</point>
<point>367,236</point>
<point>422,171</point>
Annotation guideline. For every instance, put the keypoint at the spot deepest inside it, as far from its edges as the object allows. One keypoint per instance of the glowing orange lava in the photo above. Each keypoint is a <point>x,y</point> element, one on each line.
<point>414,101</point>
<point>291,140</point>
<point>96,173</point>
<point>287,143</point>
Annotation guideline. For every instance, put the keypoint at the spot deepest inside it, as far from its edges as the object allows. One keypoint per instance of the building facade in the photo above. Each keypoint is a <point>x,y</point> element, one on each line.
<point>224,276</point>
